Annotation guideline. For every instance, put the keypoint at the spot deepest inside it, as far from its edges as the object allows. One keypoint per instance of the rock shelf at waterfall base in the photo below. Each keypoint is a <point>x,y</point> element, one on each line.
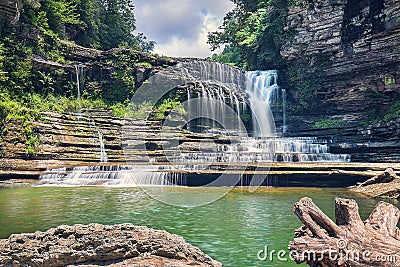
<point>99,245</point>
<point>284,174</point>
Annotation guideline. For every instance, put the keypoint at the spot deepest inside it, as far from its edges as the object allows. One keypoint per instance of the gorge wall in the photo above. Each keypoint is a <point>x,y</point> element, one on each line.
<point>355,44</point>
<point>343,59</point>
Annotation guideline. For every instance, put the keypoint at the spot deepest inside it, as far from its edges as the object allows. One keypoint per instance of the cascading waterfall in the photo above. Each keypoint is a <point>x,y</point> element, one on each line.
<point>265,146</point>
<point>219,87</point>
<point>267,150</point>
<point>112,176</point>
<point>215,99</point>
<point>263,90</point>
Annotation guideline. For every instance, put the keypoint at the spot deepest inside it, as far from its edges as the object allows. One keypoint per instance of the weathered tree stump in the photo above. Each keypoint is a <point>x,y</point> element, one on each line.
<point>386,185</point>
<point>349,241</point>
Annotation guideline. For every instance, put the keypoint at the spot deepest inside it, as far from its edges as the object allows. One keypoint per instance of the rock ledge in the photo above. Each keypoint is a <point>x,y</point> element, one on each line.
<point>100,245</point>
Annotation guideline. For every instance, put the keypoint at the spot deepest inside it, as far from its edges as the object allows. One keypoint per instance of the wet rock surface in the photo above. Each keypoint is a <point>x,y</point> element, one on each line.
<point>100,245</point>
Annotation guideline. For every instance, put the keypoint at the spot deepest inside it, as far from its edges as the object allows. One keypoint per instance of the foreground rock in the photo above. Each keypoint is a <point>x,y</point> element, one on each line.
<point>349,241</point>
<point>99,245</point>
<point>385,185</point>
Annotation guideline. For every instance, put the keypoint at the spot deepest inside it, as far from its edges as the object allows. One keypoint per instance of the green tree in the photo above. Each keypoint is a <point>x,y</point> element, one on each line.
<point>254,30</point>
<point>117,23</point>
<point>87,33</point>
<point>3,74</point>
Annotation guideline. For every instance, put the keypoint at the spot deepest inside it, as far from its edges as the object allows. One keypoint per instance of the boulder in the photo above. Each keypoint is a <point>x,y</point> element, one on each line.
<point>100,245</point>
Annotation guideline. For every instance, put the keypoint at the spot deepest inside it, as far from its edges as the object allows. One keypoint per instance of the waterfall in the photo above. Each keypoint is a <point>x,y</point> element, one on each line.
<point>284,96</point>
<point>79,72</point>
<point>146,175</point>
<point>250,150</point>
<point>103,153</point>
<point>214,100</point>
<point>217,97</point>
<point>79,76</point>
<point>263,90</point>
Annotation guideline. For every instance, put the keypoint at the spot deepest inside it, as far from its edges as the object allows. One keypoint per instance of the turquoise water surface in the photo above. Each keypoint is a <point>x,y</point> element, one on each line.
<point>232,229</point>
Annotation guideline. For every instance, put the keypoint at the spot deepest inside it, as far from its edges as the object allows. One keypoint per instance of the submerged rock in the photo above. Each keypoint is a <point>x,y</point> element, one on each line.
<point>100,245</point>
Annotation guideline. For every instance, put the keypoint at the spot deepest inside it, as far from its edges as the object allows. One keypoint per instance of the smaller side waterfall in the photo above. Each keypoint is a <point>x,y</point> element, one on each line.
<point>103,153</point>
<point>96,134</point>
<point>79,76</point>
<point>79,72</point>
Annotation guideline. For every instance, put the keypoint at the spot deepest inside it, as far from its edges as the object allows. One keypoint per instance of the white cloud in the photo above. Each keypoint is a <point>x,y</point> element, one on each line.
<point>180,27</point>
<point>191,47</point>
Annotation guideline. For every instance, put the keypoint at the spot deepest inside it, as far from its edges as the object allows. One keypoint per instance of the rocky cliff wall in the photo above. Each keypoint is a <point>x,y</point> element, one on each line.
<point>357,43</point>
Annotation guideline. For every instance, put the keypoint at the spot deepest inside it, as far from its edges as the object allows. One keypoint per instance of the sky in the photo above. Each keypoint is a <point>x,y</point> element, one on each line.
<point>180,27</point>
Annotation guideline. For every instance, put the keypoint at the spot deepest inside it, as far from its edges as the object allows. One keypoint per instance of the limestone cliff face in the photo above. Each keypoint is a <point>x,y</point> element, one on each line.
<point>358,40</point>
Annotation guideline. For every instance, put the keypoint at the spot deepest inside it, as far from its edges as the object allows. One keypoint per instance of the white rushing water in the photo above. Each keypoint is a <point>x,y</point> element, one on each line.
<point>263,91</point>
<point>273,149</point>
<point>145,175</point>
<point>103,153</point>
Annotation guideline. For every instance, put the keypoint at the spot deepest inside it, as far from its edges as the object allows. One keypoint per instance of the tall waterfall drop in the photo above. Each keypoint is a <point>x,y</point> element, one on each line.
<point>263,90</point>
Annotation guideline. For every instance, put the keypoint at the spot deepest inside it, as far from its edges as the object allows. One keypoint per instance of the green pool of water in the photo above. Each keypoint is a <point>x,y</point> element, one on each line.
<point>232,229</point>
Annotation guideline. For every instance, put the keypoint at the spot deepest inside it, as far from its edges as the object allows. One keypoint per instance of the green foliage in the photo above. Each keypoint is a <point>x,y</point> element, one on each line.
<point>122,84</point>
<point>229,56</point>
<point>305,77</point>
<point>390,80</point>
<point>254,30</point>
<point>168,105</point>
<point>101,24</point>
<point>3,74</point>
<point>109,24</point>
<point>140,111</point>
<point>144,64</point>
<point>54,25</point>
<point>393,111</point>
<point>328,123</point>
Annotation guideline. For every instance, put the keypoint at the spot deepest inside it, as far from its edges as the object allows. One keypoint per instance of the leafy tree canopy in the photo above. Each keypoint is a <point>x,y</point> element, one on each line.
<point>254,32</point>
<point>101,24</point>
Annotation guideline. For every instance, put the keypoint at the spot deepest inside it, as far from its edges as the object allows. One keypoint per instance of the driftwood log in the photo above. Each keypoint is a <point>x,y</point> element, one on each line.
<point>385,185</point>
<point>349,241</point>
